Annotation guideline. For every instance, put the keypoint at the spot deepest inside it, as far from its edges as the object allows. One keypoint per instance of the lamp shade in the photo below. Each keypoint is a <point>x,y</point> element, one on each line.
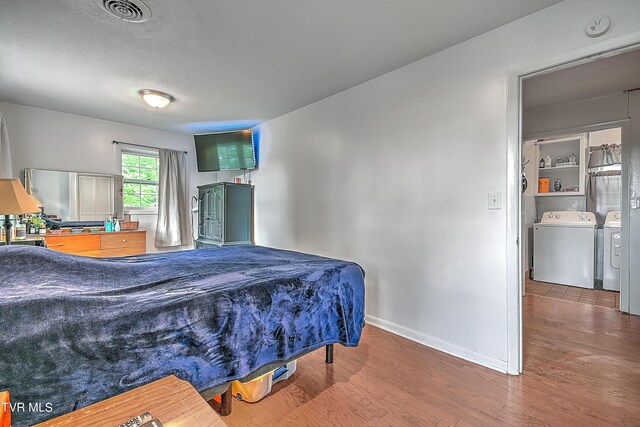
<point>14,199</point>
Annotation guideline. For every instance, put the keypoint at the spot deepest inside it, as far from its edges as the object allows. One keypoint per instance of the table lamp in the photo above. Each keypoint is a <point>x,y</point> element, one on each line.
<point>14,200</point>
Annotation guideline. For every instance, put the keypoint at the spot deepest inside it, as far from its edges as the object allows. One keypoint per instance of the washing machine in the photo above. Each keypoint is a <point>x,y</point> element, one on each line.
<point>612,245</point>
<point>564,248</point>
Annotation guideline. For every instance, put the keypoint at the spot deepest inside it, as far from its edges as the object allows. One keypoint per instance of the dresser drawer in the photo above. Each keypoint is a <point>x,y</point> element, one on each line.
<point>122,251</point>
<point>73,244</point>
<point>124,240</point>
<point>93,254</point>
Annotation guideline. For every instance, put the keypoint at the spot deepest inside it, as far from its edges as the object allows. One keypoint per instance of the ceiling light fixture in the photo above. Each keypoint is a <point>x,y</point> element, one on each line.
<point>155,98</point>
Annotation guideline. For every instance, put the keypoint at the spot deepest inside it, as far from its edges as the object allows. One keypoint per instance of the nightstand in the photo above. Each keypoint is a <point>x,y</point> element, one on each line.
<point>171,400</point>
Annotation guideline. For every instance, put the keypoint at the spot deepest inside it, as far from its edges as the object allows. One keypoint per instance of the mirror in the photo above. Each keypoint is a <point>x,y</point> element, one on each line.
<point>76,196</point>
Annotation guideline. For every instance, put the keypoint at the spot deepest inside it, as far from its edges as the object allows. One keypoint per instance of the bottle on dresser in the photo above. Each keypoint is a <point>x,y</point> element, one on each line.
<point>21,230</point>
<point>31,226</point>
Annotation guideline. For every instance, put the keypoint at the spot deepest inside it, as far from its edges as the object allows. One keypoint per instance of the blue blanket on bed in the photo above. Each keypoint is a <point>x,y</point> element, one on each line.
<point>78,330</point>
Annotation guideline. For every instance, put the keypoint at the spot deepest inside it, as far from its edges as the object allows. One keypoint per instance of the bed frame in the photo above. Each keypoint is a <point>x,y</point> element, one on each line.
<point>224,390</point>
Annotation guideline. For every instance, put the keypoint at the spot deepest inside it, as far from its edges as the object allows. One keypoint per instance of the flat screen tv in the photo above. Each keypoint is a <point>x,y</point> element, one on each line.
<point>226,151</point>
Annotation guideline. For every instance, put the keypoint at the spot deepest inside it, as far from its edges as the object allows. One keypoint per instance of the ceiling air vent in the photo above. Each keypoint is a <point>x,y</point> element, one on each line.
<point>127,10</point>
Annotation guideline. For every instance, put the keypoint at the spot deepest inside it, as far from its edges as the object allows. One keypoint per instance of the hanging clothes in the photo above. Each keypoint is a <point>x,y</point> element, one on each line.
<point>605,155</point>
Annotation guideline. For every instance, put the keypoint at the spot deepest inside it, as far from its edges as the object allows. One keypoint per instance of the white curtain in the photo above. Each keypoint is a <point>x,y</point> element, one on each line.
<point>6,171</point>
<point>28,178</point>
<point>604,193</point>
<point>173,213</point>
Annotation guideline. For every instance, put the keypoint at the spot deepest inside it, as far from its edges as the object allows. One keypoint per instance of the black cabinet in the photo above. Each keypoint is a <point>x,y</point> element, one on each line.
<point>225,214</point>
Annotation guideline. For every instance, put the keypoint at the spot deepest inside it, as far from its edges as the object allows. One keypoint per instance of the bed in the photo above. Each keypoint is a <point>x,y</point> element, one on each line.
<point>78,330</point>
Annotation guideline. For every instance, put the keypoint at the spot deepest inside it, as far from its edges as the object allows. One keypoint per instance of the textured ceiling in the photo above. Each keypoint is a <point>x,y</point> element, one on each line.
<point>223,61</point>
<point>590,80</point>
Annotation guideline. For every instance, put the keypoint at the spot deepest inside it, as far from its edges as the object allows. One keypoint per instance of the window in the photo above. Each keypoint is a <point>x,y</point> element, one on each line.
<point>140,173</point>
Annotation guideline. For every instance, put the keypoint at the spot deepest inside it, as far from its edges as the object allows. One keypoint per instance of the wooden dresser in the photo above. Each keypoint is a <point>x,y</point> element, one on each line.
<point>99,244</point>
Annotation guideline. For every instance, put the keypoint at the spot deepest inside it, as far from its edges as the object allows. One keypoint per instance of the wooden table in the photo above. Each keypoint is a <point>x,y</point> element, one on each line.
<point>173,401</point>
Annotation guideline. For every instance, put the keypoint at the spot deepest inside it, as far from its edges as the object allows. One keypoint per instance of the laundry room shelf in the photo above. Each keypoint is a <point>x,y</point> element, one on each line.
<point>559,193</point>
<point>569,175</point>
<point>559,167</point>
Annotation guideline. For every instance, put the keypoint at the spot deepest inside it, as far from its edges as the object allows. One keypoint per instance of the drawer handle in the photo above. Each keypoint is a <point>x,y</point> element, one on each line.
<point>124,240</point>
<point>57,244</point>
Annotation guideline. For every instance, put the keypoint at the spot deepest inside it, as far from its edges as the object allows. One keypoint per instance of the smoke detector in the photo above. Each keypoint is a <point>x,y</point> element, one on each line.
<point>126,10</point>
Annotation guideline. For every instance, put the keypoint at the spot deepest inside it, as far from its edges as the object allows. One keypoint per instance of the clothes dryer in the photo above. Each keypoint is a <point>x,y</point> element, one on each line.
<point>612,247</point>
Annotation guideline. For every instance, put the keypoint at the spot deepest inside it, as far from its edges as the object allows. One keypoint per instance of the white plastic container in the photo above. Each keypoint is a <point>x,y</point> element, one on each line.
<point>284,372</point>
<point>254,390</point>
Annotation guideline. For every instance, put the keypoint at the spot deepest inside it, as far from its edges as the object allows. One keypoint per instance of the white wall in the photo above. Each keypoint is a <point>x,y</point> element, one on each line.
<point>45,139</point>
<point>575,114</point>
<point>394,174</point>
<point>606,136</point>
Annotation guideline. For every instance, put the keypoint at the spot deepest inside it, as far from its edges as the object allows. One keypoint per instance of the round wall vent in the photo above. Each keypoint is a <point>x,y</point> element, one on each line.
<point>126,10</point>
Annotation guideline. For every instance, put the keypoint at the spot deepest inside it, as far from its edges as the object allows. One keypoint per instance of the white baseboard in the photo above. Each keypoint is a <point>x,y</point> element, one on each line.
<point>438,344</point>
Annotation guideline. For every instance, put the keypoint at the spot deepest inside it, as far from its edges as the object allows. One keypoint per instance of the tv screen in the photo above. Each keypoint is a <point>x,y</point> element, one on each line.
<point>225,151</point>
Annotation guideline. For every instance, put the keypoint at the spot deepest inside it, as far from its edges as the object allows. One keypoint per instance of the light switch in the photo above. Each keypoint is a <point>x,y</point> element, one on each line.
<point>494,201</point>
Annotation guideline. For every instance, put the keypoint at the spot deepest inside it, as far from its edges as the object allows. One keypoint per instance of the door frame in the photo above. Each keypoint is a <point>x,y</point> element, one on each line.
<point>515,76</point>
<point>625,259</point>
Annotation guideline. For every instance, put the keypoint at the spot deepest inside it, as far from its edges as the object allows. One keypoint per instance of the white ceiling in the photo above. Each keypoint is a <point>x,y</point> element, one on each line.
<point>590,80</point>
<point>222,60</point>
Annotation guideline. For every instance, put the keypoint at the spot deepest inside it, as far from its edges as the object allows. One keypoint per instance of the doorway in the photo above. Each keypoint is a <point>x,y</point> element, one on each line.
<point>584,107</point>
<point>571,214</point>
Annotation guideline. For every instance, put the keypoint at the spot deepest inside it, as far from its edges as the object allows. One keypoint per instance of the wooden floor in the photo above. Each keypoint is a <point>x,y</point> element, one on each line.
<point>602,298</point>
<point>582,367</point>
